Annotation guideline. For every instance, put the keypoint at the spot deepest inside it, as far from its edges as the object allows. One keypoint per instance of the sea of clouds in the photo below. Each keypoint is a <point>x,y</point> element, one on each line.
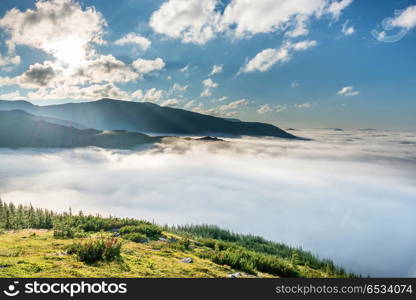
<point>345,195</point>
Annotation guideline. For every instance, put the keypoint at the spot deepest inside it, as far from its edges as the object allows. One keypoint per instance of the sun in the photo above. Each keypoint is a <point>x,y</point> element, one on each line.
<point>69,51</point>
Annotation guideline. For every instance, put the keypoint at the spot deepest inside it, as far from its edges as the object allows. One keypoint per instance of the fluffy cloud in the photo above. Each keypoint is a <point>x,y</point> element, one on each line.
<point>233,105</point>
<point>192,21</point>
<point>9,60</point>
<point>407,19</point>
<point>153,95</point>
<point>145,66</point>
<point>198,21</point>
<point>264,109</point>
<point>53,26</point>
<point>335,8</point>
<point>12,96</point>
<point>138,94</point>
<point>347,29</point>
<point>100,69</point>
<point>132,38</point>
<point>216,69</point>
<point>224,110</point>
<point>281,107</point>
<point>170,102</point>
<point>185,69</point>
<point>92,92</point>
<point>39,75</point>
<point>305,105</point>
<point>105,68</point>
<point>348,91</point>
<point>208,85</point>
<point>177,88</point>
<point>267,58</point>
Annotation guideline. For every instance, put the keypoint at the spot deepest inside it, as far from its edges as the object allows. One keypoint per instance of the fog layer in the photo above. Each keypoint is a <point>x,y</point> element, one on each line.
<point>349,196</point>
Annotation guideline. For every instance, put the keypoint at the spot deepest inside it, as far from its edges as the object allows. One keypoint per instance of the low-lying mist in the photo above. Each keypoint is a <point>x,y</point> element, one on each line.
<point>349,196</point>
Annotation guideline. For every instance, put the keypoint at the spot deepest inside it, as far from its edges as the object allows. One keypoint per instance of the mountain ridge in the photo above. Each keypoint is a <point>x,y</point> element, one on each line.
<point>19,129</point>
<point>145,117</point>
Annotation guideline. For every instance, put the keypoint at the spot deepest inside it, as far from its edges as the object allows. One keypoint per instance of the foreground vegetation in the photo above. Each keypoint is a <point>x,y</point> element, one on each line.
<point>41,243</point>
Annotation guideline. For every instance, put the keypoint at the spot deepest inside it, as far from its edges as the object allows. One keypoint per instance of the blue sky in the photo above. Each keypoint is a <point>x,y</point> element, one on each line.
<point>297,63</point>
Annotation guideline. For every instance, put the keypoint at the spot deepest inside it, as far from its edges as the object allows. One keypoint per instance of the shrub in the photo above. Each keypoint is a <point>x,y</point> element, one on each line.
<point>63,231</point>
<point>135,237</point>
<point>251,262</point>
<point>151,231</point>
<point>96,249</point>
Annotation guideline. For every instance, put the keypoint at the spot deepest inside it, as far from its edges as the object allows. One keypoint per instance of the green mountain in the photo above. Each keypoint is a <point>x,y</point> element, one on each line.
<point>149,118</point>
<point>21,129</point>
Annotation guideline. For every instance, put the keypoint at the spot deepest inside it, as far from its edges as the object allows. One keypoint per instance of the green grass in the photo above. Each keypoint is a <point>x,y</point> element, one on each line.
<point>36,253</point>
<point>41,243</point>
<point>23,254</point>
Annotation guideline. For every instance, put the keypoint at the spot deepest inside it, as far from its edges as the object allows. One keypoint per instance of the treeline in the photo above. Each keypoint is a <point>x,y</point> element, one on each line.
<point>261,245</point>
<point>20,217</point>
<point>26,216</point>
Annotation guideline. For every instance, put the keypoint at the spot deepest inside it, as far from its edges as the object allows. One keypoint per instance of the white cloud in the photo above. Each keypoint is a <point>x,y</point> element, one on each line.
<point>59,27</point>
<point>185,69</point>
<point>348,91</point>
<point>179,88</point>
<point>264,109</point>
<point>198,21</point>
<point>153,95</point>
<point>92,92</point>
<point>39,75</point>
<point>267,58</point>
<point>9,60</point>
<point>216,69</point>
<point>132,38</point>
<point>137,94</point>
<point>145,66</point>
<point>170,102</point>
<point>407,19</point>
<point>104,68</point>
<point>100,69</point>
<point>280,107</point>
<point>346,29</point>
<point>190,104</point>
<point>208,85</point>
<point>220,99</point>
<point>12,96</point>
<point>192,21</point>
<point>264,16</point>
<point>234,105</point>
<point>305,105</point>
<point>300,28</point>
<point>335,8</point>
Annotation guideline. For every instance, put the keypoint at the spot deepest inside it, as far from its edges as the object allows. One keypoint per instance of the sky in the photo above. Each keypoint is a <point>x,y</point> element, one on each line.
<point>298,63</point>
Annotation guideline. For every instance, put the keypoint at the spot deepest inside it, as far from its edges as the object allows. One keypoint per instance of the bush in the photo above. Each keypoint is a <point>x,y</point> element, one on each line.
<point>63,231</point>
<point>251,262</point>
<point>151,231</point>
<point>135,237</point>
<point>97,249</point>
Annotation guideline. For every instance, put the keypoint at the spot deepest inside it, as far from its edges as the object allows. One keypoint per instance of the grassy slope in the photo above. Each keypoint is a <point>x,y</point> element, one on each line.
<point>35,253</point>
